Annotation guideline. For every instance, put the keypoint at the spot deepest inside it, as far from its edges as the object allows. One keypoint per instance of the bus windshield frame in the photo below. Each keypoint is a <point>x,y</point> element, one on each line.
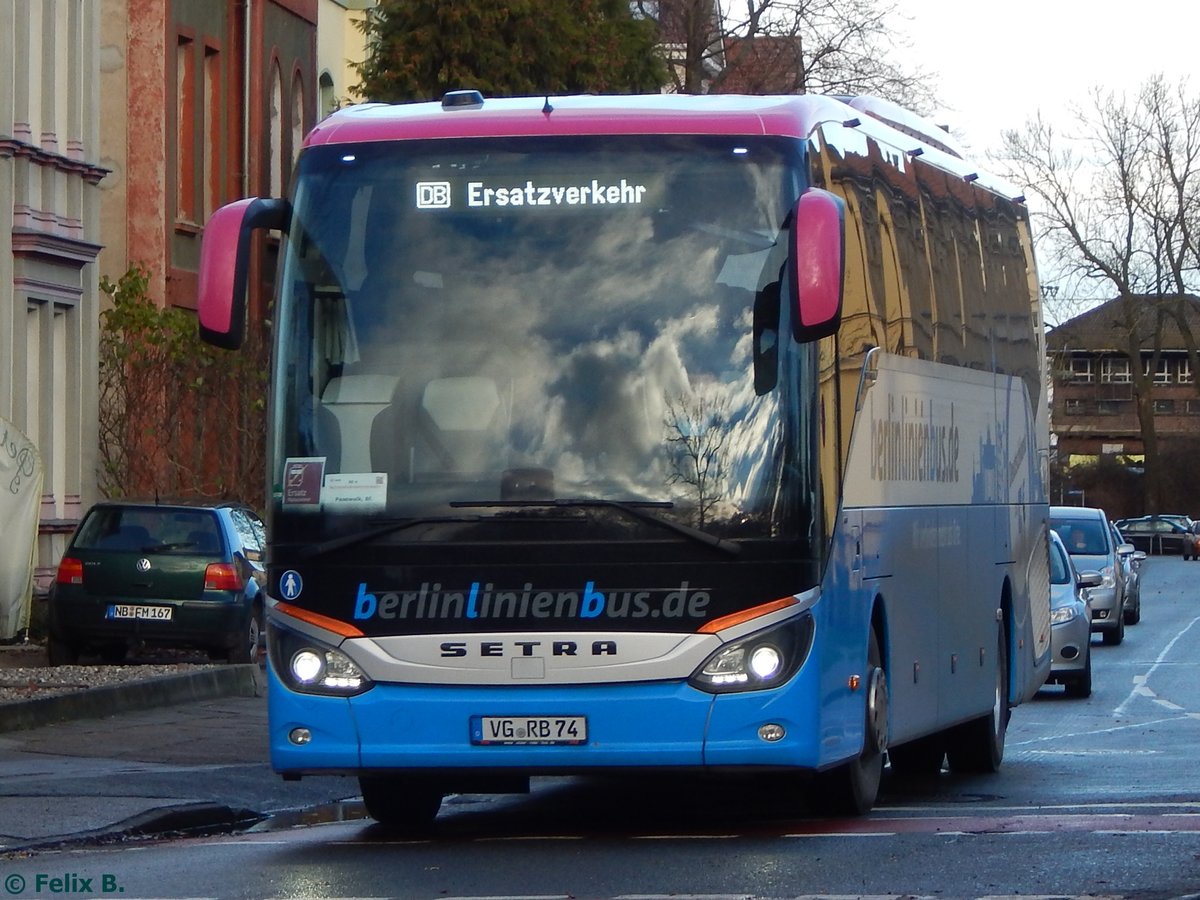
<point>581,334</point>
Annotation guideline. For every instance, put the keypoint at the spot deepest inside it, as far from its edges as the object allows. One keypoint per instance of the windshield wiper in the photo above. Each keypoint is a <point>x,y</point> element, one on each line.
<point>362,537</point>
<point>636,508</point>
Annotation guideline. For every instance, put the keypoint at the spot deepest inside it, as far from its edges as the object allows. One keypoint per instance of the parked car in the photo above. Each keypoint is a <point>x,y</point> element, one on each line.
<point>160,574</point>
<point>1087,535</point>
<point>1162,534</point>
<point>1070,622</point>
<point>1131,562</point>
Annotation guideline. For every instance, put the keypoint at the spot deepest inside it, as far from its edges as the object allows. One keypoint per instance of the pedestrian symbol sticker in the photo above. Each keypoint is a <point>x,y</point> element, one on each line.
<point>290,584</point>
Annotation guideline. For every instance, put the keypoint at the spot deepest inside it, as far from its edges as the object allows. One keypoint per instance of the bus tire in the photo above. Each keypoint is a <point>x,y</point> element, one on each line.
<point>404,804</point>
<point>851,788</point>
<point>978,746</point>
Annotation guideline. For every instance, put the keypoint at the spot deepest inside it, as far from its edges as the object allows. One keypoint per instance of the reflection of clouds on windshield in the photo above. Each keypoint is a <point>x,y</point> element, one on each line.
<point>589,327</point>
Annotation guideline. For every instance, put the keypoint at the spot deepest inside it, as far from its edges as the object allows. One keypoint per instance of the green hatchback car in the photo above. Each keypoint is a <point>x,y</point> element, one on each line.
<point>149,574</point>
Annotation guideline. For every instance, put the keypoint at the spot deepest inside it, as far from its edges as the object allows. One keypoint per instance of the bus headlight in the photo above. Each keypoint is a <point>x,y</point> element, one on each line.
<point>307,666</point>
<point>762,660</point>
<point>311,667</point>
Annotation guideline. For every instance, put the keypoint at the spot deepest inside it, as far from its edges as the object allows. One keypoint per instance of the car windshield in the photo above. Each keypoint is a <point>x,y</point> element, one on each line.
<point>149,530</point>
<point>1060,567</point>
<point>1082,537</point>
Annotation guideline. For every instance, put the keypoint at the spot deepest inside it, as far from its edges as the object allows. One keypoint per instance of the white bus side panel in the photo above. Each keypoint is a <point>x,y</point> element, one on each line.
<point>943,469</point>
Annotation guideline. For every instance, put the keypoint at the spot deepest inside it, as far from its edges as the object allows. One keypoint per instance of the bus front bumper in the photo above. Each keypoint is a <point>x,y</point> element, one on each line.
<point>416,727</point>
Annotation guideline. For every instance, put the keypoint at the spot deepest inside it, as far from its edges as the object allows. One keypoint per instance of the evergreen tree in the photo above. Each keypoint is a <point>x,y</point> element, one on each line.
<point>419,49</point>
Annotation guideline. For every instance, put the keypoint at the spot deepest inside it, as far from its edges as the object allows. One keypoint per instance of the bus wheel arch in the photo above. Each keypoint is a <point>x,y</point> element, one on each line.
<point>852,787</point>
<point>878,698</point>
<point>977,746</point>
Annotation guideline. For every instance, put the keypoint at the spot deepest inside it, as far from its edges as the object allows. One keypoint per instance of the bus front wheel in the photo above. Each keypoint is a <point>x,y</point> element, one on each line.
<point>851,788</point>
<point>407,804</point>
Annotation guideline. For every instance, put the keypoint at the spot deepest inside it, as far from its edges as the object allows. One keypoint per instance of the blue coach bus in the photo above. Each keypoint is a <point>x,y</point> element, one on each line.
<point>659,432</point>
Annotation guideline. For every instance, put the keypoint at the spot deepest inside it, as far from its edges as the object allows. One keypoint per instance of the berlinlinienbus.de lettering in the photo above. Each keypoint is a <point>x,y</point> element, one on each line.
<point>483,601</point>
<point>915,449</point>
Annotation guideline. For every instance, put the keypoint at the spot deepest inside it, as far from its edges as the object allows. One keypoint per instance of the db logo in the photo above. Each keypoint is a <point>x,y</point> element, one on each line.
<point>433,195</point>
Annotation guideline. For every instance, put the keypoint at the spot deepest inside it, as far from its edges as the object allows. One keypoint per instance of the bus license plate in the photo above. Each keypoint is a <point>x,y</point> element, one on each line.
<point>566,730</point>
<point>128,611</point>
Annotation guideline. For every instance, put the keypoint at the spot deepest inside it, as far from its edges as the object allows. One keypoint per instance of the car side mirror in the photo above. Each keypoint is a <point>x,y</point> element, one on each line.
<point>1090,579</point>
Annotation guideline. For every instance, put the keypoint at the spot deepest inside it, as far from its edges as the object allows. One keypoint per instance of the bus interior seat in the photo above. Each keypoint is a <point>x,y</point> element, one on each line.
<point>458,419</point>
<point>361,408</point>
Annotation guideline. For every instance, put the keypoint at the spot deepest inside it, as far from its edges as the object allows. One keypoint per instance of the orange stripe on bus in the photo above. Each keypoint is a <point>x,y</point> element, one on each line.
<point>745,615</point>
<point>335,625</point>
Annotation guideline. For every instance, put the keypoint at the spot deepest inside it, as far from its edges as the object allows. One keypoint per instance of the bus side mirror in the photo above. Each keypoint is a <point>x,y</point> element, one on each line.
<point>225,266</point>
<point>817,264</point>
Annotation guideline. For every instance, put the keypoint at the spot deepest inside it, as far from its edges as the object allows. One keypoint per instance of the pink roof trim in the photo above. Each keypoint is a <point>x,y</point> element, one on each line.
<point>791,116</point>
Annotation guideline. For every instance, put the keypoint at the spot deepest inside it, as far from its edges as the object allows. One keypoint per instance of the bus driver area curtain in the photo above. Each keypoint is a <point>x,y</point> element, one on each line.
<point>20,501</point>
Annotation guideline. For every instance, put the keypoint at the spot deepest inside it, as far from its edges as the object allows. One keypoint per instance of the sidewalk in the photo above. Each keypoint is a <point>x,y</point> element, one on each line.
<point>116,768</point>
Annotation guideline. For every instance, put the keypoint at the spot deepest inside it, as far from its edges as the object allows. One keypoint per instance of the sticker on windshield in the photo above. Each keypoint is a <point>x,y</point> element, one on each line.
<point>302,478</point>
<point>360,493</point>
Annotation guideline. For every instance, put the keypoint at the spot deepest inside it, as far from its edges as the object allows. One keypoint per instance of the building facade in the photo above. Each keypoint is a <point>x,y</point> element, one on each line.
<point>204,101</point>
<point>50,237</point>
<point>340,43</point>
<point>123,125</point>
<point>1104,363</point>
<point>1095,411</point>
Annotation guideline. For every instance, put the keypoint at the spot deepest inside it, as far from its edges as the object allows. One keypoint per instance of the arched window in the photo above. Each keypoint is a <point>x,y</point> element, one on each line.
<point>298,109</point>
<point>329,100</point>
<point>276,132</point>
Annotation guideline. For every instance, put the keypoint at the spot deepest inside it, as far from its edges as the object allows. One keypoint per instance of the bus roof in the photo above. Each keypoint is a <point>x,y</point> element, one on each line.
<point>793,115</point>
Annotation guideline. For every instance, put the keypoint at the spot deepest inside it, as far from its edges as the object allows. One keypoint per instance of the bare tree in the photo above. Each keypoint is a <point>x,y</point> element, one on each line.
<point>1117,203</point>
<point>786,47</point>
<point>697,427</point>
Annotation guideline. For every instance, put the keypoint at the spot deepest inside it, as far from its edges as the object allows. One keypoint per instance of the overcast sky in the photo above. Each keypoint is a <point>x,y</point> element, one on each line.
<point>998,63</point>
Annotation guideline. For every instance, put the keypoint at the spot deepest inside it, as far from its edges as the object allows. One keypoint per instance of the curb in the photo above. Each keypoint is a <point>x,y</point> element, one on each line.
<point>94,703</point>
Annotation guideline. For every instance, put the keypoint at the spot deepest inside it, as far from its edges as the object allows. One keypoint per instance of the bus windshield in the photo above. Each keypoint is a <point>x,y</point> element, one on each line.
<point>496,326</point>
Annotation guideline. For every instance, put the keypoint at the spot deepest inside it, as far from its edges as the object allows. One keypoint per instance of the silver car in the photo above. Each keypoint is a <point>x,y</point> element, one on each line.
<point>1131,561</point>
<point>1070,622</point>
<point>1087,535</point>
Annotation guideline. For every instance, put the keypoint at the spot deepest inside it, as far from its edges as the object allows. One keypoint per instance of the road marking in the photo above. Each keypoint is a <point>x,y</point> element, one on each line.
<point>1092,732</point>
<point>689,837</point>
<point>1141,687</point>
<point>840,834</point>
